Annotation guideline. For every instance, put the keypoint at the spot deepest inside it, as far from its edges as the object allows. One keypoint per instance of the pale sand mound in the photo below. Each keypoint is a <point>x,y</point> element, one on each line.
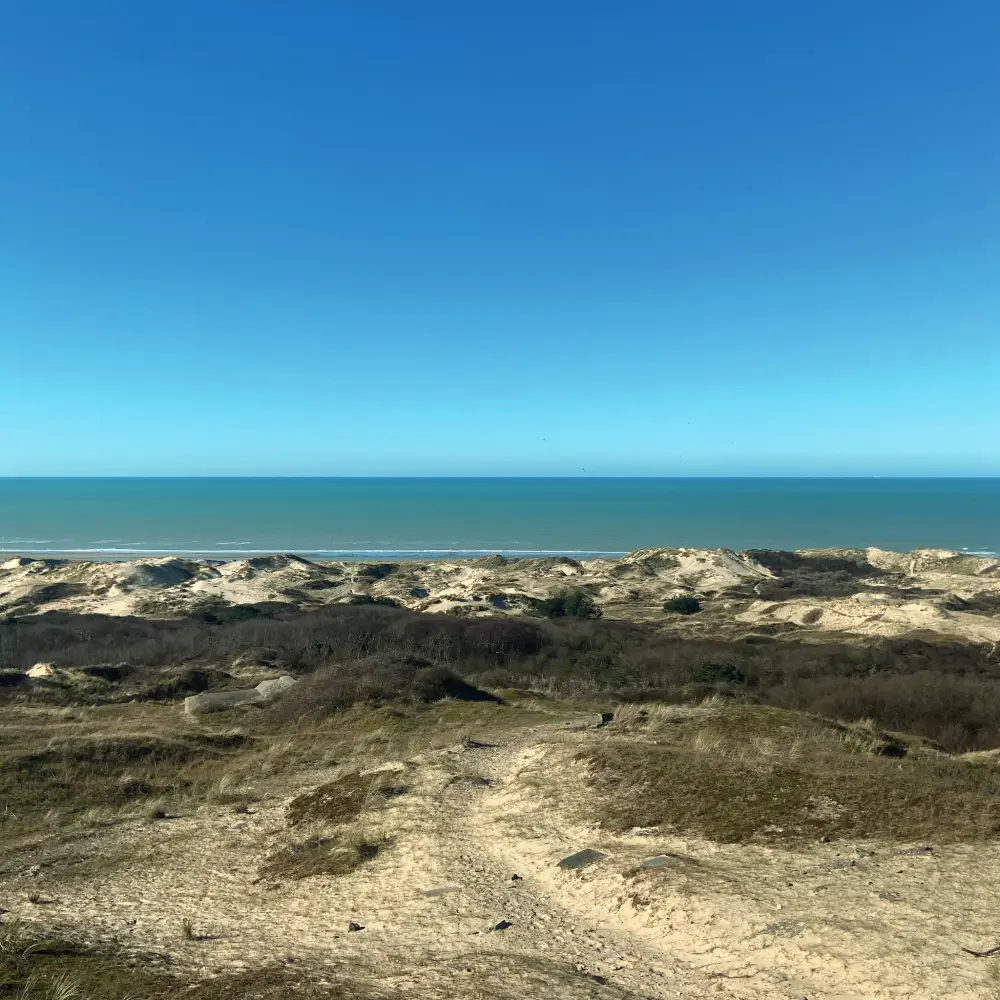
<point>704,570</point>
<point>155,573</point>
<point>867,615</point>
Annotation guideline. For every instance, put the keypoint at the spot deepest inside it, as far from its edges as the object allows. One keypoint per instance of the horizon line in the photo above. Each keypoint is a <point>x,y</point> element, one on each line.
<point>511,476</point>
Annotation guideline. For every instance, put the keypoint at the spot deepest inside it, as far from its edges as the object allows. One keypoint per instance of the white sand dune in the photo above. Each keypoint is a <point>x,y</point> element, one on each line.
<point>889,594</point>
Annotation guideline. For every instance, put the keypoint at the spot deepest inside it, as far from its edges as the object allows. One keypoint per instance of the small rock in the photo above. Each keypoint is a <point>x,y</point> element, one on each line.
<point>890,897</point>
<point>516,878</point>
<point>784,928</point>
<point>657,861</point>
<point>502,926</point>
<point>602,980</point>
<point>582,858</point>
<point>352,926</point>
<point>840,863</point>
<point>916,852</point>
<point>441,890</point>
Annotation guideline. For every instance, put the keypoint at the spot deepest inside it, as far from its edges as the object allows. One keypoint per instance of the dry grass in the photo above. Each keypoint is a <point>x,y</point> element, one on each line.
<point>339,801</point>
<point>110,770</point>
<point>34,968</point>
<point>40,972</point>
<point>741,773</point>
<point>342,800</point>
<point>338,853</point>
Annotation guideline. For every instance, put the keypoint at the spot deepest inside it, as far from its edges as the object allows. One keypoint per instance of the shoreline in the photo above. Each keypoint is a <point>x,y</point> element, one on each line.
<point>336,555</point>
<point>440,554</point>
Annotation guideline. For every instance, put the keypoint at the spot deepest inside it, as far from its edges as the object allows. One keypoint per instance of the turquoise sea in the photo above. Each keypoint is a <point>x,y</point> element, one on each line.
<point>428,518</point>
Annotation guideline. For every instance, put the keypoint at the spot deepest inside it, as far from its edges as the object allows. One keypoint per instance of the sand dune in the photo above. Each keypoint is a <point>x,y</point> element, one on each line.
<point>859,592</point>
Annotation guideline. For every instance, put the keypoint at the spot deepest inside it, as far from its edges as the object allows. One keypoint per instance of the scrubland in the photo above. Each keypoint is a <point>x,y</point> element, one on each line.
<point>771,813</point>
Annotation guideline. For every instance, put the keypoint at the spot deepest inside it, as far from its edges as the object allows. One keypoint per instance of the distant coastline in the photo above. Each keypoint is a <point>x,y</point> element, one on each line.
<point>462,518</point>
<point>347,555</point>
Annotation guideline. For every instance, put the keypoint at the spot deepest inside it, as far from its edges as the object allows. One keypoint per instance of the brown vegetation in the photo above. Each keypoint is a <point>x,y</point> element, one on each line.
<point>735,773</point>
<point>947,691</point>
<point>38,968</point>
<point>337,854</point>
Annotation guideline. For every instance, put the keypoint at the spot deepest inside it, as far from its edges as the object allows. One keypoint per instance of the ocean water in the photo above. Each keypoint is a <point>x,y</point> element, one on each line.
<point>428,518</point>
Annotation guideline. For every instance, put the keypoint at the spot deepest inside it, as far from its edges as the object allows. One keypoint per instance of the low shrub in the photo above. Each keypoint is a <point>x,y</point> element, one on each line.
<point>957,704</point>
<point>721,673</point>
<point>572,604</point>
<point>682,605</point>
<point>371,680</point>
<point>369,599</point>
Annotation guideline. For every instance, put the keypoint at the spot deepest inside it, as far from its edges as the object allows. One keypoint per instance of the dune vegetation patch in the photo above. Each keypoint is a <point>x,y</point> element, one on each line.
<point>336,854</point>
<point>112,771</point>
<point>35,967</point>
<point>742,773</point>
<point>338,801</point>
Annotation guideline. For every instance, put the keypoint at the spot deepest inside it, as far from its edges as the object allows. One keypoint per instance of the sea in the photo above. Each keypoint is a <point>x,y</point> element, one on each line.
<point>385,518</point>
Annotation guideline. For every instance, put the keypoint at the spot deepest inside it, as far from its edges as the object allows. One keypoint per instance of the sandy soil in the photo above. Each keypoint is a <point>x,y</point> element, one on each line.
<point>477,840</point>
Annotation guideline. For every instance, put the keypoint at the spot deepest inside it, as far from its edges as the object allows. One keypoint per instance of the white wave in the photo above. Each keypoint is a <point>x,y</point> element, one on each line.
<point>328,553</point>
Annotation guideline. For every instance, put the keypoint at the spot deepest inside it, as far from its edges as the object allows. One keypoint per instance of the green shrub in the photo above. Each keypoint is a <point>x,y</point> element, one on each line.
<point>362,599</point>
<point>683,605</point>
<point>721,673</point>
<point>572,604</point>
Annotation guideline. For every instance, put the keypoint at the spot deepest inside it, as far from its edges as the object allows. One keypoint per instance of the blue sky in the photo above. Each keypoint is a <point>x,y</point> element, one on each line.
<point>699,238</point>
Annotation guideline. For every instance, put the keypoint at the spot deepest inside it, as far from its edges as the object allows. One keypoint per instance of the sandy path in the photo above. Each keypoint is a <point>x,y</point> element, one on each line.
<point>714,922</point>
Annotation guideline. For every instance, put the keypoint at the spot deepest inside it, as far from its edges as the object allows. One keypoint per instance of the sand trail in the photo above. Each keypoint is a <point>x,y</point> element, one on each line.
<point>475,843</point>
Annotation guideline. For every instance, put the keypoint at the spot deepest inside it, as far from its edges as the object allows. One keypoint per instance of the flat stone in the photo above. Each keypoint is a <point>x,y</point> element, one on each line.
<point>220,701</point>
<point>889,896</point>
<point>272,688</point>
<point>657,861</point>
<point>441,890</point>
<point>840,863</point>
<point>582,858</point>
<point>916,852</point>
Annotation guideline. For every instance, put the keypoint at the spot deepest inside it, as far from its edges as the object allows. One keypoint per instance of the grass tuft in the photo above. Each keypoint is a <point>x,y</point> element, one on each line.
<point>338,854</point>
<point>339,801</point>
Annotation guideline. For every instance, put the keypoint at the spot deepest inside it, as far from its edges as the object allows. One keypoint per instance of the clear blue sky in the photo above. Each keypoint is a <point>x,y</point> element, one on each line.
<point>398,237</point>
